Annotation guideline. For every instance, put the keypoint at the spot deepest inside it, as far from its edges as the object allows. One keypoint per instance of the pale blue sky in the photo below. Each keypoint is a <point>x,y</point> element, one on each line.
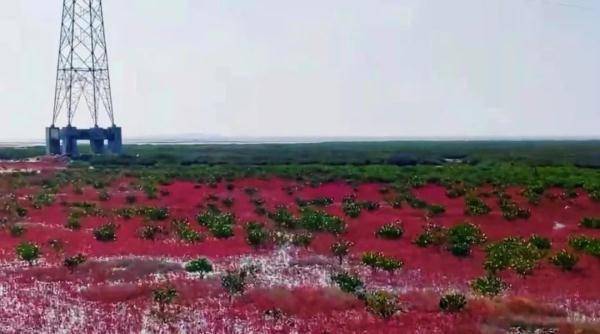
<point>402,68</point>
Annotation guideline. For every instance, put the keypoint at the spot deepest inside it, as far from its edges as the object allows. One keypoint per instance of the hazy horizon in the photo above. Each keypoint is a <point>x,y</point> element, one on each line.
<point>338,69</point>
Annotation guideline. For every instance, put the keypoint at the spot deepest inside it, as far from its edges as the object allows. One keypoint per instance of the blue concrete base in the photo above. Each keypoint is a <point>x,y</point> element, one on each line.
<point>64,141</point>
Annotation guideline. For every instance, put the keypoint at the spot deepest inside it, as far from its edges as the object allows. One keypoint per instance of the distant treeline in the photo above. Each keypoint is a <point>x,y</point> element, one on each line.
<point>579,153</point>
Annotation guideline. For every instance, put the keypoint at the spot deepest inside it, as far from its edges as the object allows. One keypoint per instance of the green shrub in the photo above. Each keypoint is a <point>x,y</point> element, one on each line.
<point>351,207</point>
<point>164,295</point>
<point>16,230</point>
<point>565,260</point>
<point>416,203</point>
<point>590,222</point>
<point>302,239</point>
<point>540,242</point>
<point>456,191</point>
<point>43,198</point>
<point>130,199</point>
<point>436,209</point>
<point>370,205</point>
<point>21,211</point>
<point>73,222</point>
<point>155,214</point>
<point>340,249</point>
<point>580,242</point>
<point>382,304</point>
<point>432,235</point>
<point>228,202</point>
<point>234,282</point>
<point>476,207</point>
<point>184,232</point>
<point>376,260</point>
<point>219,224</point>
<point>103,195</point>
<point>348,283</point>
<point>320,221</point>
<point>250,191</point>
<point>106,232</point>
<point>150,232</point>
<point>489,285</point>
<point>511,211</point>
<point>586,244</point>
<point>319,202</point>
<point>452,303</point>
<point>283,218</point>
<point>27,251</point>
<point>465,233</point>
<point>74,261</point>
<point>390,231</point>
<point>256,234</point>
<point>512,253</point>
<point>534,193</point>
<point>201,266</point>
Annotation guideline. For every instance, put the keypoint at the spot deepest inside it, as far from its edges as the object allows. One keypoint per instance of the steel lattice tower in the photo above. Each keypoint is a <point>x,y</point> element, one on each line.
<point>82,74</point>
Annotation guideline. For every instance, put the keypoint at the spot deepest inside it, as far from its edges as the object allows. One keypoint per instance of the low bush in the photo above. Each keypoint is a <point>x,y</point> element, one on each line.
<point>219,224</point>
<point>155,214</point>
<point>351,207</point>
<point>16,230</point>
<point>349,283</point>
<point>586,244</point>
<point>228,202</point>
<point>103,195</point>
<point>511,211</point>
<point>512,253</point>
<point>234,282</point>
<point>283,218</point>
<point>200,266</point>
<point>106,232</point>
<point>302,239</point>
<point>256,234</point>
<point>28,251</point>
<point>539,242</point>
<point>462,237</point>
<point>432,235</point>
<point>390,231</point>
<point>150,232</point>
<point>436,209</point>
<point>21,211</point>
<point>453,302</point>
<point>377,260</point>
<point>73,262</point>
<point>340,249</point>
<point>73,223</point>
<point>370,205</point>
<point>476,207</point>
<point>319,202</point>
<point>489,285</point>
<point>534,193</point>
<point>184,232</point>
<point>382,304</point>
<point>590,222</point>
<point>564,260</point>
<point>320,221</point>
<point>130,199</point>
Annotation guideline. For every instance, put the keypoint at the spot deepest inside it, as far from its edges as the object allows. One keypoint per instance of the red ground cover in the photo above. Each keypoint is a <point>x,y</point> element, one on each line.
<point>112,291</point>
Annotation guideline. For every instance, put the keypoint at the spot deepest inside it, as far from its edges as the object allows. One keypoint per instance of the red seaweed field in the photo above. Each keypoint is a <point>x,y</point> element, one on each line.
<point>284,256</point>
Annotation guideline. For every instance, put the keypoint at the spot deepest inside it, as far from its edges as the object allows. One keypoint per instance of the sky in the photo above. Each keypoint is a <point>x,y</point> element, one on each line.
<point>334,68</point>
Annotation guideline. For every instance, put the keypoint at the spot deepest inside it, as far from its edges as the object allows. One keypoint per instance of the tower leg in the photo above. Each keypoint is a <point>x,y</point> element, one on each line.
<point>115,140</point>
<point>97,137</point>
<point>68,136</point>
<point>52,140</point>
